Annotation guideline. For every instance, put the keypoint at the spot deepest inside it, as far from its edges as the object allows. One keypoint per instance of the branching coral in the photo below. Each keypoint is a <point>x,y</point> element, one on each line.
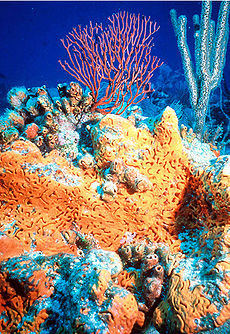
<point>210,54</point>
<point>119,55</point>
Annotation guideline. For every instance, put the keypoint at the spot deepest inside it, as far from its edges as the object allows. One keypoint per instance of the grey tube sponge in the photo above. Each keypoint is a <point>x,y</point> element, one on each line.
<point>210,56</point>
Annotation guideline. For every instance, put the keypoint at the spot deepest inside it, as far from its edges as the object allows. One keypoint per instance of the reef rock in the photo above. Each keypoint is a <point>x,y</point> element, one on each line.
<point>43,195</point>
<point>198,295</point>
<point>75,188</point>
<point>65,293</point>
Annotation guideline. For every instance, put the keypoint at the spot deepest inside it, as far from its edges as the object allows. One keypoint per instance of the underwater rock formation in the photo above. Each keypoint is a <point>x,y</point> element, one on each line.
<point>104,184</point>
<point>198,295</point>
<point>40,118</point>
<point>155,177</point>
<point>142,272</point>
<point>65,293</point>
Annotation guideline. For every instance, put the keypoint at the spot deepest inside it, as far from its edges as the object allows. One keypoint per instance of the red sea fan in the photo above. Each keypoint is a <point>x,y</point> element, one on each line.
<point>119,55</point>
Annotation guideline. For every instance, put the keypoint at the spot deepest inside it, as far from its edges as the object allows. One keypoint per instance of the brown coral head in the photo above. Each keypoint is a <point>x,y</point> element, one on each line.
<point>110,188</point>
<point>33,111</point>
<point>17,96</point>
<point>142,183</point>
<point>42,90</point>
<point>44,130</point>
<point>75,91</point>
<point>55,127</point>
<point>69,236</point>
<point>8,135</point>
<point>159,272</point>
<point>51,140</point>
<point>118,167</point>
<point>137,181</point>
<point>160,315</point>
<point>66,106</point>
<point>87,101</point>
<point>62,89</point>
<point>80,253</point>
<point>44,103</point>
<point>152,287</point>
<point>49,137</point>
<point>39,141</point>
<point>131,173</point>
<point>87,161</point>
<point>77,111</point>
<point>138,252</point>
<point>16,119</point>
<point>149,262</point>
<point>183,131</point>
<point>48,119</point>
<point>125,252</point>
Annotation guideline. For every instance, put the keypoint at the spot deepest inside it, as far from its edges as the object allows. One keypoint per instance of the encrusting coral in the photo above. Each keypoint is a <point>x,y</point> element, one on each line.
<point>148,193</point>
<point>198,296</point>
<point>142,274</point>
<point>37,116</point>
<point>38,286</point>
<point>72,182</point>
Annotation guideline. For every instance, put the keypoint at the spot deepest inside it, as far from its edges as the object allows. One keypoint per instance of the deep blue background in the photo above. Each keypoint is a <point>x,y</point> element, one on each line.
<point>30,34</point>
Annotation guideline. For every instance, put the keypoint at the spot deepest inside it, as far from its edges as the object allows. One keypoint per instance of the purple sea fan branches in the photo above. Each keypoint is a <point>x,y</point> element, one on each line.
<point>119,55</point>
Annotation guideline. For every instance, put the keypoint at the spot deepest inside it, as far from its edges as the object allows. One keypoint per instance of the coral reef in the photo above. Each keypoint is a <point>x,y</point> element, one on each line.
<point>148,193</point>
<point>109,222</point>
<point>65,293</point>
<point>119,58</point>
<point>208,199</point>
<point>142,273</point>
<point>40,118</point>
<point>198,296</point>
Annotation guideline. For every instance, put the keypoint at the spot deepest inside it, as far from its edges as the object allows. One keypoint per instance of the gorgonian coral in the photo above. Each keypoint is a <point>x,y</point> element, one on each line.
<point>118,55</point>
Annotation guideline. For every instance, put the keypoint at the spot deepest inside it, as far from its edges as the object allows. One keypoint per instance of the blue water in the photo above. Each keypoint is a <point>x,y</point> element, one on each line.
<point>30,34</point>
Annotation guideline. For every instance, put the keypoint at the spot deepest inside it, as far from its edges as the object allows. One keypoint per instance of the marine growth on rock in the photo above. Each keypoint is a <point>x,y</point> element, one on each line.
<point>108,223</point>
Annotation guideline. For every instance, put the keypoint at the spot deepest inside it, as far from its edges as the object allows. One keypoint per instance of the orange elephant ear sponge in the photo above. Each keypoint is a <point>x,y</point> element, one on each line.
<point>42,196</point>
